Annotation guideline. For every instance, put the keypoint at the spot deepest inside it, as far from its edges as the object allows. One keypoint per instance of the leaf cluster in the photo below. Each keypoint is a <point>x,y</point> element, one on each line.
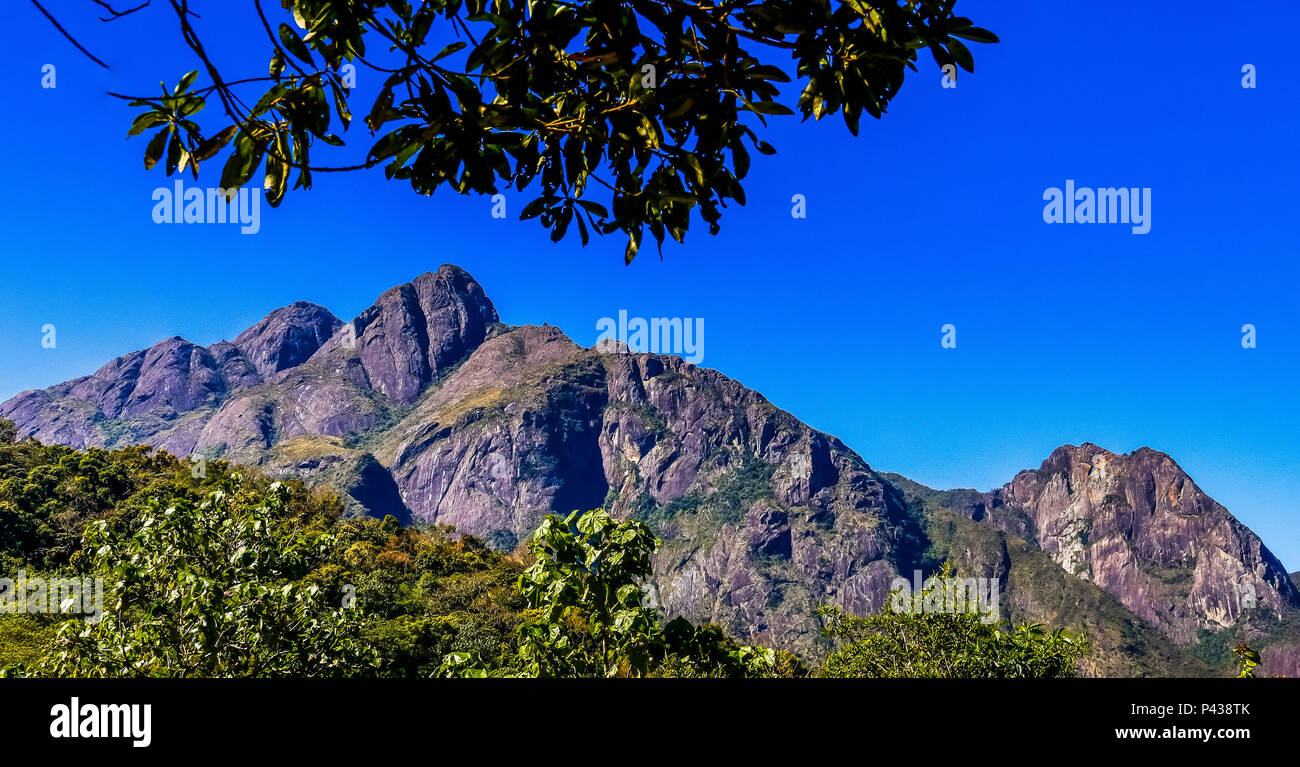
<point>620,117</point>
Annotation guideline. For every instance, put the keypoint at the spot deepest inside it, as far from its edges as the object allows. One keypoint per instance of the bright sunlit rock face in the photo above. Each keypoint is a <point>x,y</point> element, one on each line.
<point>426,407</point>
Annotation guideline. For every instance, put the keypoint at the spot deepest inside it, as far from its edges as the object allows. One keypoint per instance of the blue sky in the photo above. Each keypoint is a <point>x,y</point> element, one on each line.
<point>1065,333</point>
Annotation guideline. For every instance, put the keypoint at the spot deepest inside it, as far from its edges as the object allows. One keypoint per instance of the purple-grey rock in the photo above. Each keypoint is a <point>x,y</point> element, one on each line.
<point>425,407</point>
<point>287,337</point>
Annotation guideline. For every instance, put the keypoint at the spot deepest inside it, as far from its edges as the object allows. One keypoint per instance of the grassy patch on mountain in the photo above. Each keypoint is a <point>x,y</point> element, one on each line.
<point>487,401</point>
<point>312,447</point>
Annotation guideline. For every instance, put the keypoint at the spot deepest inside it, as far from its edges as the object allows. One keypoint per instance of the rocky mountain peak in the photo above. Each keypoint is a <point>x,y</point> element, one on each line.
<point>1137,525</point>
<point>287,337</point>
<point>425,407</point>
<point>415,330</point>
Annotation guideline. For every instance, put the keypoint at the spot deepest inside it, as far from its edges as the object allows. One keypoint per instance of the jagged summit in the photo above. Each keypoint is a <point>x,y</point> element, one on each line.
<point>414,331</point>
<point>424,406</point>
<point>411,332</point>
<point>286,337</point>
<point>1137,525</point>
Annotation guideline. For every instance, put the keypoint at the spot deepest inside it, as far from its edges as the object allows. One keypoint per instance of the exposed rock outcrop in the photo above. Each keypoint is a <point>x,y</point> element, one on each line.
<point>145,396</point>
<point>425,407</point>
<point>286,338</point>
<point>1142,530</point>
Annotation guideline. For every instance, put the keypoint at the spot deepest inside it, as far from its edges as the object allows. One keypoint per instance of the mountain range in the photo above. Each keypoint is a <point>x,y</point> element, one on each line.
<point>426,407</point>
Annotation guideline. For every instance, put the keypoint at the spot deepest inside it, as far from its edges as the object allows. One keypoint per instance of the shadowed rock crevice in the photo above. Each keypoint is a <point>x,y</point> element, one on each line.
<point>573,438</point>
<point>376,491</point>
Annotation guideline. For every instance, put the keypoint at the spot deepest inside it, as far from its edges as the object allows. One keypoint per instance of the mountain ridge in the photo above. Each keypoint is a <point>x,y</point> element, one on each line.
<point>426,407</point>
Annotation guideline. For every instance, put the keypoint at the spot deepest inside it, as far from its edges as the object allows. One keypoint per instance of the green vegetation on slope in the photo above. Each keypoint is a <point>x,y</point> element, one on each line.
<point>227,573</point>
<point>1037,590</point>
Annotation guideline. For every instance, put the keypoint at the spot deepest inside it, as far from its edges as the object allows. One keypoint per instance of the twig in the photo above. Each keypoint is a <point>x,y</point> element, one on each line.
<point>71,39</point>
<point>116,14</point>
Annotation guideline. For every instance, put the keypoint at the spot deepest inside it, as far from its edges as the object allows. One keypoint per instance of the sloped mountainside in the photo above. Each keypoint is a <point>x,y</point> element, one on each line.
<point>426,407</point>
<point>1150,582</point>
<point>1139,527</point>
<point>150,394</point>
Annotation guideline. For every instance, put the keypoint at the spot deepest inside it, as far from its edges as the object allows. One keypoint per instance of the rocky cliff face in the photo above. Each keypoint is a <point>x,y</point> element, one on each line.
<point>415,331</point>
<point>287,337</point>
<point>426,407</point>
<point>146,394</point>
<point>1139,527</point>
<point>762,518</point>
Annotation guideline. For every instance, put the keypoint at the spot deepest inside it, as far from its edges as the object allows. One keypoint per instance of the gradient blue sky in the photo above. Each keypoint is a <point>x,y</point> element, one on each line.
<point>934,215</point>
